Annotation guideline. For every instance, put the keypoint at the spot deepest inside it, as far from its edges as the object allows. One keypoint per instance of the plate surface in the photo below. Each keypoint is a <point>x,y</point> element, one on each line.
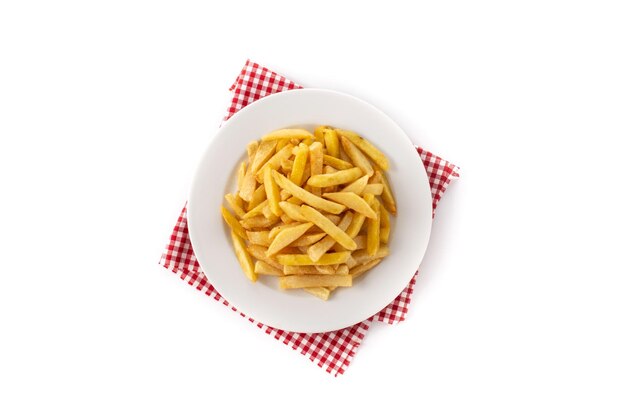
<point>295,310</point>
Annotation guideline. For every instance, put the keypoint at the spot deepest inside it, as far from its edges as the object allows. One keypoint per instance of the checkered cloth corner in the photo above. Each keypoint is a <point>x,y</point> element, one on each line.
<point>332,351</point>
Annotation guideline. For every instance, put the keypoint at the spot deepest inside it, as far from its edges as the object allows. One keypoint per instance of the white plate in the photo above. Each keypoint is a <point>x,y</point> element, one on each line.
<point>295,310</point>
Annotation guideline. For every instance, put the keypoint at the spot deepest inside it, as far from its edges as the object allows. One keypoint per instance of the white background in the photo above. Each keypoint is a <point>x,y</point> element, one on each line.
<point>105,108</point>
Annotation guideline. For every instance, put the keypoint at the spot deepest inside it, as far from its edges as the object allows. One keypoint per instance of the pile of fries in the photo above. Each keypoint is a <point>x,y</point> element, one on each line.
<point>311,208</point>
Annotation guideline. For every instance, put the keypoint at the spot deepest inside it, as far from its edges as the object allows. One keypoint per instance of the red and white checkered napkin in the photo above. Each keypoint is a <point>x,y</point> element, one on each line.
<point>331,351</point>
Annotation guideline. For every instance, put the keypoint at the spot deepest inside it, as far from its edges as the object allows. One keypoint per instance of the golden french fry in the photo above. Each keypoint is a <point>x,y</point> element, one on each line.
<point>274,162</point>
<point>257,197</point>
<point>358,159</point>
<point>356,225</point>
<point>233,223</point>
<point>370,150</point>
<point>263,153</point>
<point>248,185</point>
<point>319,292</point>
<point>360,269</point>
<point>333,188</point>
<point>263,268</point>
<point>384,234</point>
<point>373,230</point>
<point>357,186</point>
<point>302,259</point>
<point>361,256</point>
<point>292,211</point>
<point>258,222</point>
<point>336,162</point>
<point>303,270</point>
<point>319,133</point>
<point>243,256</point>
<point>287,134</point>
<point>260,237</point>
<point>332,142</point>
<point>308,240</point>
<point>241,174</point>
<point>353,201</point>
<point>316,157</point>
<point>299,163</point>
<point>304,281</point>
<point>307,173</point>
<point>387,196</point>
<point>306,196</point>
<point>286,219</point>
<point>234,204</point>
<point>257,211</point>
<point>318,249</point>
<point>336,178</point>
<point>286,236</point>
<point>279,228</point>
<point>376,189</point>
<point>329,227</point>
<point>385,224</point>
<point>272,192</point>
<point>251,149</point>
<point>324,269</point>
<point>259,253</point>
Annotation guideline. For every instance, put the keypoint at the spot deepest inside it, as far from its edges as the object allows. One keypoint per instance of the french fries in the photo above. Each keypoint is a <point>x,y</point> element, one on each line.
<point>360,269</point>
<point>272,192</point>
<point>353,201</point>
<point>335,162</point>
<point>332,142</point>
<point>312,209</point>
<point>243,256</point>
<point>336,178</point>
<point>234,203</point>
<point>299,162</point>
<point>326,259</point>
<point>357,157</point>
<point>373,230</point>
<point>357,186</point>
<point>326,225</point>
<point>385,225</point>
<point>316,155</point>
<point>261,238</point>
<point>370,150</point>
<point>287,134</point>
<point>308,240</point>
<point>319,292</point>
<point>306,196</point>
<point>233,223</point>
<point>387,196</point>
<point>286,236</point>
<point>261,267</point>
<point>305,281</point>
<point>317,250</point>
